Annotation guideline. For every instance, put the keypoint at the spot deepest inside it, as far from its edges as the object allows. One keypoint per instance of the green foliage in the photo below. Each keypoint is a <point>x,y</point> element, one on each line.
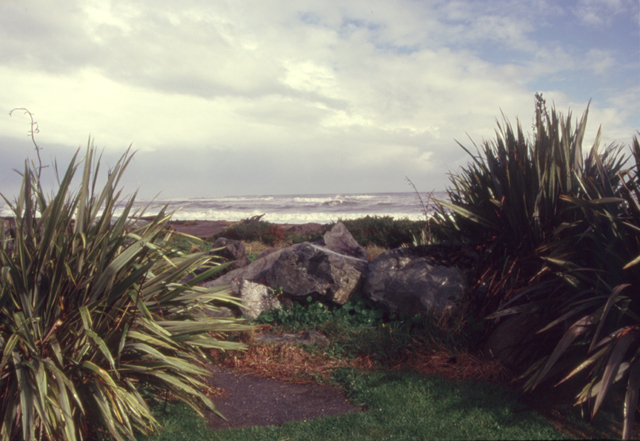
<point>557,233</point>
<point>383,231</point>
<point>312,314</point>
<point>600,311</point>
<point>362,328</point>
<point>189,244</point>
<point>179,423</point>
<point>93,317</point>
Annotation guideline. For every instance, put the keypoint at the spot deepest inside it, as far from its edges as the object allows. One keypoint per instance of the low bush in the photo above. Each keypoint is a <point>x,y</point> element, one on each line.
<point>383,231</point>
<point>254,230</point>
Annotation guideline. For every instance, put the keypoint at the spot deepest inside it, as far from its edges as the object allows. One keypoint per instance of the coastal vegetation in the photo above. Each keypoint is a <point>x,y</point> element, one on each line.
<point>382,231</point>
<point>95,323</point>
<point>558,234</point>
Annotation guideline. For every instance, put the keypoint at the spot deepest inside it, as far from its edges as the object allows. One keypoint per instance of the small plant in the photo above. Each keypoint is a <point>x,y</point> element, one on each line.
<point>425,237</point>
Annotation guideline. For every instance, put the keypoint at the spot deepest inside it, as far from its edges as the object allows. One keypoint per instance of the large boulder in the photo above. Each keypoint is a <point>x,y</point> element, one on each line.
<point>307,269</point>
<point>252,272</point>
<point>409,280</point>
<point>302,270</point>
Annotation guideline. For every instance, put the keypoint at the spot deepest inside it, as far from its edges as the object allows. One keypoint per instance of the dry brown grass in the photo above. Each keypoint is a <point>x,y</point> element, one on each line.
<point>255,247</point>
<point>374,251</point>
<point>460,367</point>
<point>296,365</point>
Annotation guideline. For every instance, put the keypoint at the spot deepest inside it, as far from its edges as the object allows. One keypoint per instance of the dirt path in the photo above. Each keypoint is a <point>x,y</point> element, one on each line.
<point>248,400</point>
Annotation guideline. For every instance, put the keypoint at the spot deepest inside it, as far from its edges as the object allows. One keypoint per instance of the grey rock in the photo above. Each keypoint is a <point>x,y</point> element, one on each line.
<point>256,298</point>
<point>254,272</point>
<point>267,252</point>
<point>309,338</point>
<point>302,270</point>
<point>234,250</point>
<point>307,269</point>
<point>339,240</point>
<point>404,280</point>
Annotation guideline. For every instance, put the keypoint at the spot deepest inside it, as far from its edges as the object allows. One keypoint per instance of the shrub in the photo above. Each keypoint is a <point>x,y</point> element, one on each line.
<point>254,230</point>
<point>557,233</point>
<point>93,316</point>
<point>383,231</point>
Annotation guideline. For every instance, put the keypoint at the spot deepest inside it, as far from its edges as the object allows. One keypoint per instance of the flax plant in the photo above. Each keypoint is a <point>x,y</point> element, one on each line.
<point>558,232</point>
<point>94,318</point>
<point>507,201</point>
<point>601,316</point>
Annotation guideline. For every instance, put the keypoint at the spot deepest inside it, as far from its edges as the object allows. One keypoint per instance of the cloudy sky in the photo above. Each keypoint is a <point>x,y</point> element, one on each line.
<point>252,97</point>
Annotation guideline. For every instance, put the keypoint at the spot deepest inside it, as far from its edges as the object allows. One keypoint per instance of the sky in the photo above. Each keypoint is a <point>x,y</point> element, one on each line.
<point>259,97</point>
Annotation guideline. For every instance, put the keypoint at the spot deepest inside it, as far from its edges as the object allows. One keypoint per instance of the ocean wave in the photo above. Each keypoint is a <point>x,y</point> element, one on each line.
<point>285,217</point>
<point>339,203</point>
<point>294,209</point>
<point>314,199</point>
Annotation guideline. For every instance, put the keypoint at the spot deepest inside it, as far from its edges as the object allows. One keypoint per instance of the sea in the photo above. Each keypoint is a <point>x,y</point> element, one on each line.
<point>292,209</point>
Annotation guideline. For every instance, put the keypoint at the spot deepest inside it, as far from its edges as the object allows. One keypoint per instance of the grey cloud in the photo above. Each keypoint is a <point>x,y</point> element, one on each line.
<point>350,96</point>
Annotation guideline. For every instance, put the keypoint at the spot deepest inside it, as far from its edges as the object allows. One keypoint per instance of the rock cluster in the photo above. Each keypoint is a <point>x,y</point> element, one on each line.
<point>404,280</point>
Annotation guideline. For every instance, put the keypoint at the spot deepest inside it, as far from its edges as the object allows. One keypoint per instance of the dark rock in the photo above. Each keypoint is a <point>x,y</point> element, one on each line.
<point>407,280</point>
<point>306,270</point>
<point>234,250</point>
<point>511,341</point>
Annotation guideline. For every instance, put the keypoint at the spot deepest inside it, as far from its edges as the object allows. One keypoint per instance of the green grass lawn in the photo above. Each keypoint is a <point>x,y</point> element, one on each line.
<point>402,406</point>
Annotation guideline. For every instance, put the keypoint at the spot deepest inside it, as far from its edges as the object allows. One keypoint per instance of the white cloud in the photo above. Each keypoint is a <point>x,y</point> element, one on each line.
<point>602,12</point>
<point>599,61</point>
<point>383,85</point>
